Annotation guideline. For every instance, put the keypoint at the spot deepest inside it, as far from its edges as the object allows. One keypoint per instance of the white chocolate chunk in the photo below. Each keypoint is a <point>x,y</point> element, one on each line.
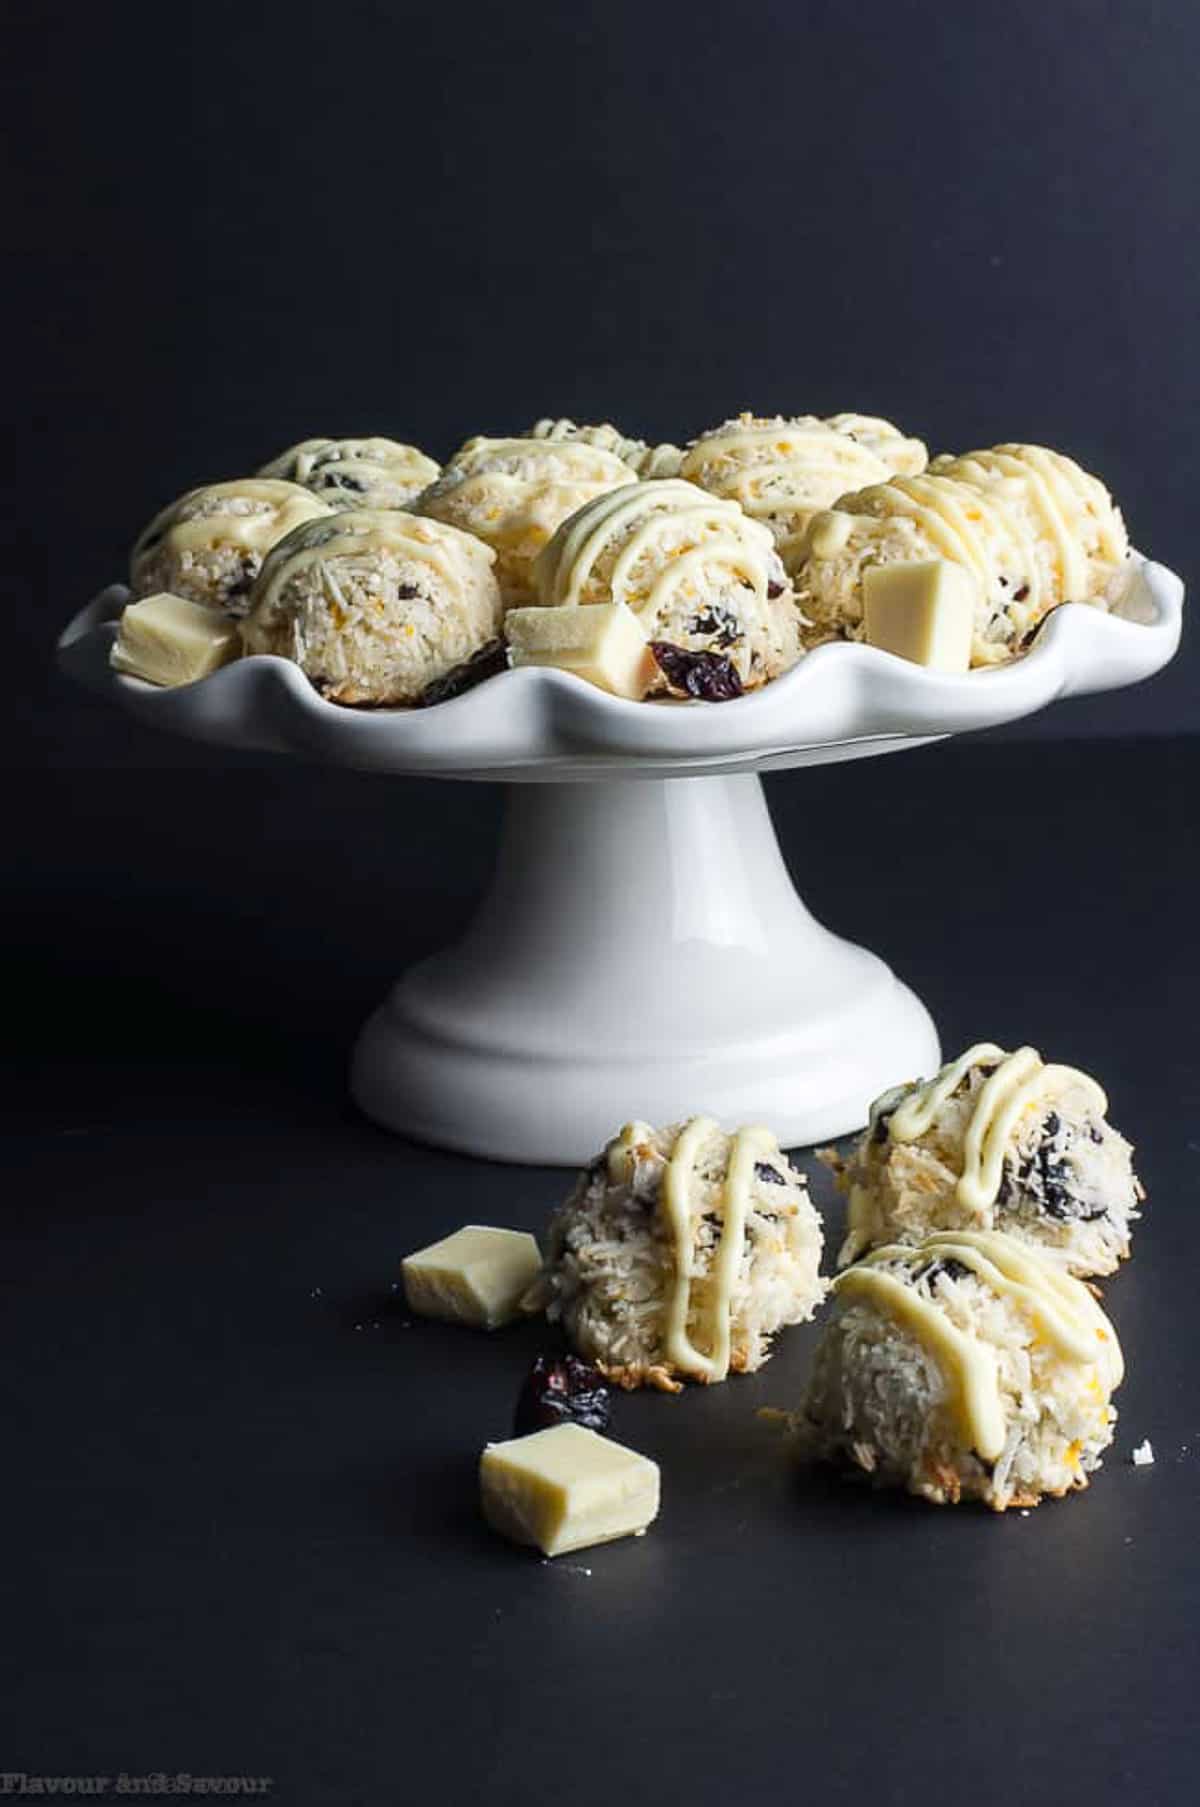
<point>602,642</point>
<point>566,1488</point>
<point>477,1276</point>
<point>170,640</point>
<point>924,612</point>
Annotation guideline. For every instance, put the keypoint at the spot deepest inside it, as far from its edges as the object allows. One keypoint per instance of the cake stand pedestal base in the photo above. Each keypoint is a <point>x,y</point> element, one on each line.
<point>641,953</point>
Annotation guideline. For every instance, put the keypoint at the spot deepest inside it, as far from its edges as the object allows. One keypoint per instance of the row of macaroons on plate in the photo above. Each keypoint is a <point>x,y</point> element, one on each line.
<point>700,572</point>
<point>964,1357</point>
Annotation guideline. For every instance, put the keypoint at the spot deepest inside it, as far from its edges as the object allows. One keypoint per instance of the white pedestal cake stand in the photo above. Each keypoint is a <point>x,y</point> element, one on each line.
<point>641,950</point>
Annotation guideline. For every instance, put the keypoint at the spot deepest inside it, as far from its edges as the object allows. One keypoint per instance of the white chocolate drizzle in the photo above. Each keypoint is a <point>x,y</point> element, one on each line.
<point>645,520</point>
<point>914,1115</point>
<point>530,463</point>
<point>829,533</point>
<point>974,468</point>
<point>1061,1311</point>
<point>907,457</point>
<point>310,460</point>
<point>968,1368</point>
<point>748,1146</point>
<point>604,435</point>
<point>1070,486</point>
<point>1018,1080</point>
<point>969,527</point>
<point>514,492</point>
<point>1058,491</point>
<point>456,558</point>
<point>774,467</point>
<point>282,506</point>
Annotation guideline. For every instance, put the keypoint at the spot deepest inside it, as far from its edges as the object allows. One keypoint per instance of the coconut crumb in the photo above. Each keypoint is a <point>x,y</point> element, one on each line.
<point>1143,1455</point>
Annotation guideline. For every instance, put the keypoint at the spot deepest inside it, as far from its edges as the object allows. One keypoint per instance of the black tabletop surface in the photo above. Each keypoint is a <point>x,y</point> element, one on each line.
<point>239,1484</point>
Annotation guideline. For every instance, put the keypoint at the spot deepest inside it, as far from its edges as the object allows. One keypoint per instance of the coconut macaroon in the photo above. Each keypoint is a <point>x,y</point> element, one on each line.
<point>703,580</point>
<point>356,473</point>
<point>1079,537</point>
<point>782,470</point>
<point>375,605</point>
<point>647,460</point>
<point>513,493</point>
<point>680,1253</point>
<point>209,544</point>
<point>966,1367</point>
<point>1031,529</point>
<point>995,1141</point>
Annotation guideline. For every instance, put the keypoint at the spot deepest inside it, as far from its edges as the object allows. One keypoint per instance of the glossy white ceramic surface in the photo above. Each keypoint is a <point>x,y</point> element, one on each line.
<point>538,725</point>
<point>642,951</point>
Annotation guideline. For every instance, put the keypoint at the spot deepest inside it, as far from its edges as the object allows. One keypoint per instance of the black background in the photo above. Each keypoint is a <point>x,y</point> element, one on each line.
<point>240,1532</point>
<point>249,223</point>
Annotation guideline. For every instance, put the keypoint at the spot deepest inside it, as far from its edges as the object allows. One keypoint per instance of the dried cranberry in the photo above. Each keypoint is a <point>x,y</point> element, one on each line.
<point>562,1390</point>
<point>775,590</point>
<point>493,658</point>
<point>772,1175</point>
<point>708,676</point>
<point>723,628</point>
<point>947,1265</point>
<point>241,586</point>
<point>1057,1198</point>
<point>1047,1181</point>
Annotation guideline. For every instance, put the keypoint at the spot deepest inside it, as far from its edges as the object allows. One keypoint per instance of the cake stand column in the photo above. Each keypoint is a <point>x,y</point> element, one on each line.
<point>641,952</point>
